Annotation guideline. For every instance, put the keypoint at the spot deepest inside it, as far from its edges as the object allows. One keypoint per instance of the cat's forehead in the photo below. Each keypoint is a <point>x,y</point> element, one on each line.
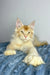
<point>26,27</point>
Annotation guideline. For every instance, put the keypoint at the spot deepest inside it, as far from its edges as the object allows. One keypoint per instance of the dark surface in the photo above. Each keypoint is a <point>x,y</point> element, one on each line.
<point>13,65</point>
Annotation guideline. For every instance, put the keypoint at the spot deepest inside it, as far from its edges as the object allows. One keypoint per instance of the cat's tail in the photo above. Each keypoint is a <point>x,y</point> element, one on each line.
<point>39,43</point>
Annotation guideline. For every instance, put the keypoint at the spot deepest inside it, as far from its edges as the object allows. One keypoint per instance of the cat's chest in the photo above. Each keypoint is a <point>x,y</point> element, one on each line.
<point>18,41</point>
<point>26,46</point>
<point>23,45</point>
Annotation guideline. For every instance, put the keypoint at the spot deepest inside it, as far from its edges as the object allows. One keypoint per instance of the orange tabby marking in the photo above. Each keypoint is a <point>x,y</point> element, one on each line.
<point>23,40</point>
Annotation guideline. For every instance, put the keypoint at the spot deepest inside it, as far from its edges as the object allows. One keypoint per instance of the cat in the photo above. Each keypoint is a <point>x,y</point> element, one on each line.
<point>24,40</point>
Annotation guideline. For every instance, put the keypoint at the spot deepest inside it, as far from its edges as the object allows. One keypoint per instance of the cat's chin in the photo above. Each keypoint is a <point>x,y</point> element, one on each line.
<point>24,39</point>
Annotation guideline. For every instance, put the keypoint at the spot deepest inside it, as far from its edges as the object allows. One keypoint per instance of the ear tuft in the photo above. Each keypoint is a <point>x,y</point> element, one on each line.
<point>32,24</point>
<point>18,23</point>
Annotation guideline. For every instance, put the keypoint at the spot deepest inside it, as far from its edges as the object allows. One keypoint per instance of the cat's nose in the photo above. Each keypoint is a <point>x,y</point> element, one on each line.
<point>25,36</point>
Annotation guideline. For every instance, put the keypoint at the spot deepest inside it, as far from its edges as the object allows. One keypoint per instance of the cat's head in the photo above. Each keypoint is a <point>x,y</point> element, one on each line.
<point>24,32</point>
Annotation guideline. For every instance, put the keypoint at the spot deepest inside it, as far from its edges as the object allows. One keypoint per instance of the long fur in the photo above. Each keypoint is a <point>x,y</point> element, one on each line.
<point>24,40</point>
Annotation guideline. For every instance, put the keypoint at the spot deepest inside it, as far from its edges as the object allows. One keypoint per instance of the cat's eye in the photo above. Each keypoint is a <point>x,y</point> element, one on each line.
<point>28,32</point>
<point>22,32</point>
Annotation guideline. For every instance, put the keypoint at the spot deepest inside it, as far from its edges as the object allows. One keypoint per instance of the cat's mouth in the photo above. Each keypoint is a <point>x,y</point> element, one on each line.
<point>26,39</point>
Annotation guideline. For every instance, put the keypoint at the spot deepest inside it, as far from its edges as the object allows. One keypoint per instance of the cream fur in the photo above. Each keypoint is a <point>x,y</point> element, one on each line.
<point>27,45</point>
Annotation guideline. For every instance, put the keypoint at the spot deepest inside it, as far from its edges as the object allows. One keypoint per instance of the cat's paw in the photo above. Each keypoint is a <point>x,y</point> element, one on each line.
<point>10,52</point>
<point>27,59</point>
<point>33,60</point>
<point>37,60</point>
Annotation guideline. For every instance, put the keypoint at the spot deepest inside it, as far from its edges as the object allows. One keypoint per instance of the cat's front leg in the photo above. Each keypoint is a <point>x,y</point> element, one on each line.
<point>11,48</point>
<point>27,59</point>
<point>32,52</point>
<point>33,58</point>
<point>10,52</point>
<point>36,60</point>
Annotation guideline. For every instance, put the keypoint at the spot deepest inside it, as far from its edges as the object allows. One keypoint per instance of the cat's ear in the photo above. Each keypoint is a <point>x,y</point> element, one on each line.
<point>18,23</point>
<point>32,24</point>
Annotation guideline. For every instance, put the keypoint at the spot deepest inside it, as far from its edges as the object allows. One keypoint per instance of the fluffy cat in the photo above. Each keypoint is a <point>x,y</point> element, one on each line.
<point>24,40</point>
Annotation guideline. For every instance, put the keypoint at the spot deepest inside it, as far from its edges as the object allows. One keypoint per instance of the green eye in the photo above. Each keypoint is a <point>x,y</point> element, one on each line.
<point>28,32</point>
<point>22,32</point>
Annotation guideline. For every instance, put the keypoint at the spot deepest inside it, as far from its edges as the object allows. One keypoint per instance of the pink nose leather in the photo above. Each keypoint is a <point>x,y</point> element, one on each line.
<point>25,36</point>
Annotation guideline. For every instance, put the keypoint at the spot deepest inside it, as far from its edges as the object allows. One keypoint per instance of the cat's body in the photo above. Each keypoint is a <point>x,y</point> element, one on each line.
<point>24,40</point>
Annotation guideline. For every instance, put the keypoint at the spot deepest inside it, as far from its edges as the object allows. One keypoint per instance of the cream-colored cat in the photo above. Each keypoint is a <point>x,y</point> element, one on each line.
<point>24,40</point>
